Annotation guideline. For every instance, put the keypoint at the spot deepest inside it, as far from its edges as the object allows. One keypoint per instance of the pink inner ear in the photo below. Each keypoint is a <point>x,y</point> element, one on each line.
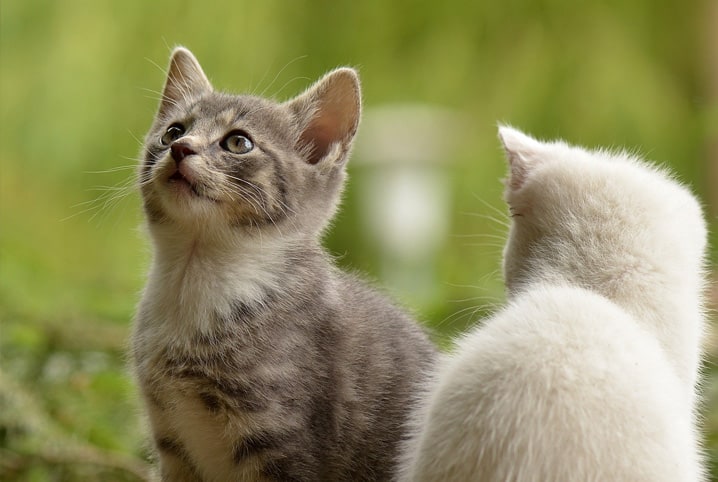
<point>320,135</point>
<point>518,168</point>
<point>335,102</point>
<point>520,154</point>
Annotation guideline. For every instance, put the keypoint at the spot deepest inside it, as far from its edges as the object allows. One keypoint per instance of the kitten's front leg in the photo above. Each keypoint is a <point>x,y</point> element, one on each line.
<point>175,464</point>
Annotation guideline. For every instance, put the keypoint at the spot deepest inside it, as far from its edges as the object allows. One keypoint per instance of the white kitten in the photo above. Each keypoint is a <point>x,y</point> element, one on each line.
<point>590,372</point>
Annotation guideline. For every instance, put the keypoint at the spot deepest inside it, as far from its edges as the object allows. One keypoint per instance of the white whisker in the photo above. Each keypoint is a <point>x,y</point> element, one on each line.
<point>280,73</point>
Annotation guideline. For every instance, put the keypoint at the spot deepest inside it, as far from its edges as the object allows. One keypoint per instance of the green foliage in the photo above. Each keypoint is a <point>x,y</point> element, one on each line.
<point>79,82</point>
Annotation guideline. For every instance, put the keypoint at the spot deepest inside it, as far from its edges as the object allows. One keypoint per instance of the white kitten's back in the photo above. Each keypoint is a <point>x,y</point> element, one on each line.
<point>560,386</point>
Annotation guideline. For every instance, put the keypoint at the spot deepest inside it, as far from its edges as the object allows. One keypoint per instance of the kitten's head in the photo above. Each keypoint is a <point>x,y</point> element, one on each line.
<point>600,220</point>
<point>214,161</point>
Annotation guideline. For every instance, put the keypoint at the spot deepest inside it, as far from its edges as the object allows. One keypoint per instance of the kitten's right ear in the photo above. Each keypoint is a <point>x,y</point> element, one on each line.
<point>521,154</point>
<point>328,116</point>
<point>185,80</point>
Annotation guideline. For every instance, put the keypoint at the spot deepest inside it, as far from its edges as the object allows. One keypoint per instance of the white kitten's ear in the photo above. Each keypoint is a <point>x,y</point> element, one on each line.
<point>328,115</point>
<point>521,154</point>
<point>185,80</point>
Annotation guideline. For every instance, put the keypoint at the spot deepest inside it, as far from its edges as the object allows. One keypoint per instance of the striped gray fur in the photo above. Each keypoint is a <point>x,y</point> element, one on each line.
<point>256,357</point>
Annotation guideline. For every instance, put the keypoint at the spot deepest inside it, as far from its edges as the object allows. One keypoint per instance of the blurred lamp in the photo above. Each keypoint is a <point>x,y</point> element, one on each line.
<point>403,153</point>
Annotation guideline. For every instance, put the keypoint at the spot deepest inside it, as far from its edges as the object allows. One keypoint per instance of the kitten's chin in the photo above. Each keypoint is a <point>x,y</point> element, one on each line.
<point>183,201</point>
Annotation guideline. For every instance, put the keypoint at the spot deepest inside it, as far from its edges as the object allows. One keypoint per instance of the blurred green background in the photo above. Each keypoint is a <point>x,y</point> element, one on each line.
<point>78,87</point>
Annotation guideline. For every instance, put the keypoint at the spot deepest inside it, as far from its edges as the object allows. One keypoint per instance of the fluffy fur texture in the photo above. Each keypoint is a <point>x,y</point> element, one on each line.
<point>590,371</point>
<point>257,359</point>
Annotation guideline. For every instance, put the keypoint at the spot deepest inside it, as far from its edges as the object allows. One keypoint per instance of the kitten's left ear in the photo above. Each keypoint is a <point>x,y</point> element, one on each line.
<point>521,153</point>
<point>328,115</point>
<point>185,80</point>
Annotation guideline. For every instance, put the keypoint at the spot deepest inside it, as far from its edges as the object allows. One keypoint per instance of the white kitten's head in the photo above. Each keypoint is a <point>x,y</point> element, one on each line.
<point>604,221</point>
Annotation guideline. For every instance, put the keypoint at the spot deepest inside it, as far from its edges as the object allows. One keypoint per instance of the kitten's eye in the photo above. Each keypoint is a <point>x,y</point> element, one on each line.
<point>237,142</point>
<point>173,132</point>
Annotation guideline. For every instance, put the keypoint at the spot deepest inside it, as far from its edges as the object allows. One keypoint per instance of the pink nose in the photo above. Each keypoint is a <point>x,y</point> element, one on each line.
<point>180,150</point>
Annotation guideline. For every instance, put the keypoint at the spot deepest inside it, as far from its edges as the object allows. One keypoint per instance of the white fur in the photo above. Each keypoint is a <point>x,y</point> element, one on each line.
<point>193,278</point>
<point>590,372</point>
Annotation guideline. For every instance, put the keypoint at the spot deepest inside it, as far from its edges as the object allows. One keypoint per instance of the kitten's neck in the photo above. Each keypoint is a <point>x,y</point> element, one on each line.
<point>174,245</point>
<point>672,312</point>
<point>197,279</point>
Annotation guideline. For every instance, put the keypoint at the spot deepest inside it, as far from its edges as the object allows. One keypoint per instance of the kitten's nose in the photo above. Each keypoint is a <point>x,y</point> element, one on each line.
<point>180,150</point>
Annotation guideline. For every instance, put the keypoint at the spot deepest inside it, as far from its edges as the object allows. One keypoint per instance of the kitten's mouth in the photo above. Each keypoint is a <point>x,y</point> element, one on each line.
<point>179,179</point>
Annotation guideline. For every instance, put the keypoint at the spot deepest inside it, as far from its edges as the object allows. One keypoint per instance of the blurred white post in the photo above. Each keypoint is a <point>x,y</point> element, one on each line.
<point>404,153</point>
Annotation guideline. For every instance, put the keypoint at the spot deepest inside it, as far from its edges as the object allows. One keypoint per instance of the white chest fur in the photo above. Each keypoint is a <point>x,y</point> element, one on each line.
<point>191,284</point>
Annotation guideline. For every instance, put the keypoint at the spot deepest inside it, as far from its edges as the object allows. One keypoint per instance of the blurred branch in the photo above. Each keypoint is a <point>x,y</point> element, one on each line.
<point>74,335</point>
<point>29,438</point>
<point>87,457</point>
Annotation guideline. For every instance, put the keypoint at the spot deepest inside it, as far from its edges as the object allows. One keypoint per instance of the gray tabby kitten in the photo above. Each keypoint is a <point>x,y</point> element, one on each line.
<point>256,357</point>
